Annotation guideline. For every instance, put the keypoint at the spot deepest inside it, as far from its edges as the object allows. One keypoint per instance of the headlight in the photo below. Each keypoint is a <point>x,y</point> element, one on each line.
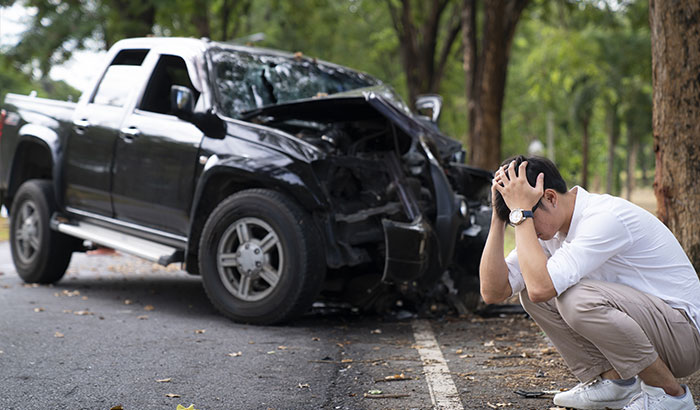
<point>463,209</point>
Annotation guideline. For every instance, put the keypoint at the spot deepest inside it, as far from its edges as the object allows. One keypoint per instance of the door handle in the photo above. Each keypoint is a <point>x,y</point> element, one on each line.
<point>80,125</point>
<point>128,134</point>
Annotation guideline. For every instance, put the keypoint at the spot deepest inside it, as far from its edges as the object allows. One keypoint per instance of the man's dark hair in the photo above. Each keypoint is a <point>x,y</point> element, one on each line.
<point>535,165</point>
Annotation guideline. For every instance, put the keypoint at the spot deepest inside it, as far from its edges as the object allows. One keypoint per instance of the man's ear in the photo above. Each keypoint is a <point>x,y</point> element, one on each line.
<point>551,197</point>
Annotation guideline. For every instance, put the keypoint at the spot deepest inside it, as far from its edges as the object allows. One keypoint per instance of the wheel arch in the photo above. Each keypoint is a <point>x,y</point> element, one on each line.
<point>220,182</point>
<point>34,158</point>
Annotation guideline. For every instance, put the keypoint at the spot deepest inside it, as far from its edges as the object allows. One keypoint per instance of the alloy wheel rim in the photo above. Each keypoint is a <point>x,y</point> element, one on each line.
<point>27,232</point>
<point>250,259</point>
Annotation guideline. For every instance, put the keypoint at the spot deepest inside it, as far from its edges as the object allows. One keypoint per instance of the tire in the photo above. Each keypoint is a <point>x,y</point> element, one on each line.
<point>261,258</point>
<point>40,254</point>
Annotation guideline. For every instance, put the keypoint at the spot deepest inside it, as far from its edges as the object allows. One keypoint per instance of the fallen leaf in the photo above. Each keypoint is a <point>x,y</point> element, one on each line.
<point>148,308</point>
<point>117,408</point>
<point>236,354</point>
<point>200,331</point>
<point>181,407</point>
<point>58,335</point>
<point>172,395</point>
<point>39,309</point>
<point>303,386</point>
<point>168,380</point>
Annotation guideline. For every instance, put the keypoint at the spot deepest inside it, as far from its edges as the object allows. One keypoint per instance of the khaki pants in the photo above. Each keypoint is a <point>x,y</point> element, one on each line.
<point>597,326</point>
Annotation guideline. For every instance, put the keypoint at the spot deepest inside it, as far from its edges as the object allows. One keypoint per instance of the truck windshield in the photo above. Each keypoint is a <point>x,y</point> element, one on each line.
<point>245,81</point>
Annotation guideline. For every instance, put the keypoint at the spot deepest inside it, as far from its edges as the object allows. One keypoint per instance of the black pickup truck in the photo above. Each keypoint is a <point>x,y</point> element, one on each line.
<point>277,178</point>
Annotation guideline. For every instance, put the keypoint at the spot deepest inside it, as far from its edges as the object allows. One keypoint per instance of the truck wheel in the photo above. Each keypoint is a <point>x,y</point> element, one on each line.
<point>261,258</point>
<point>40,254</point>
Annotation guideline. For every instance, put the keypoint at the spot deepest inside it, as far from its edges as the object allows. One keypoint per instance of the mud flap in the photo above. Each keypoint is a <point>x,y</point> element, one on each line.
<point>406,250</point>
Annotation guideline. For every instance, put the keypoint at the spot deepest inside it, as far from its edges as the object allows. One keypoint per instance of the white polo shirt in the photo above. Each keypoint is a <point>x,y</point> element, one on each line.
<point>613,240</point>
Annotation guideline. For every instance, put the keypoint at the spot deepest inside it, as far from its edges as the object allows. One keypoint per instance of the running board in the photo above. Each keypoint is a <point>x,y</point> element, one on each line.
<point>149,250</point>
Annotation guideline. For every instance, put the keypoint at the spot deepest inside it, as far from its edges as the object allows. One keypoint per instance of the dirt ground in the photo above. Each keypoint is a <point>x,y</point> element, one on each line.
<point>493,357</point>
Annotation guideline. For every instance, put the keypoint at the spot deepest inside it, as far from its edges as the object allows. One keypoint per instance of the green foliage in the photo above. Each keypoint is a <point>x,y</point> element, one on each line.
<point>574,58</point>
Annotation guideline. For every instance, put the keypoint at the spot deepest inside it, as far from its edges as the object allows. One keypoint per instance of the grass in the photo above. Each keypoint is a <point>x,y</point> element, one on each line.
<point>4,229</point>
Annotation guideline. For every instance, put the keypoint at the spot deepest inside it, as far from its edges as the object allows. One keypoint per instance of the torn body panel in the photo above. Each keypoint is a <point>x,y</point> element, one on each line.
<point>392,191</point>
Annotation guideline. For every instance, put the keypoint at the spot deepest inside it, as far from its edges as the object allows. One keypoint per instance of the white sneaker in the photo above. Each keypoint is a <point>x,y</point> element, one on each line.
<point>598,394</point>
<point>655,398</point>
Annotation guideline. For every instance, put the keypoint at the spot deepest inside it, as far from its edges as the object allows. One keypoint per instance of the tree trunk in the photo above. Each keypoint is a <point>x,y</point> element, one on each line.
<point>200,18</point>
<point>485,75</point>
<point>633,143</point>
<point>584,156</point>
<point>675,35</point>
<point>613,133</point>
<point>423,56</point>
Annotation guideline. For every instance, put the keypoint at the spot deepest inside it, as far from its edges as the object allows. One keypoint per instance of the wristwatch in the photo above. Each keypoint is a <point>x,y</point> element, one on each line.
<point>518,216</point>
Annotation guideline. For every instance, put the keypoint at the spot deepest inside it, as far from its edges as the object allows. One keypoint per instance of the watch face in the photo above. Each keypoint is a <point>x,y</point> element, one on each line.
<point>516,216</point>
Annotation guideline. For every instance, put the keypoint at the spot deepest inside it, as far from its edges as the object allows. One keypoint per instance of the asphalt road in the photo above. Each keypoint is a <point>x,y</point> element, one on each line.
<point>118,331</point>
<point>121,333</point>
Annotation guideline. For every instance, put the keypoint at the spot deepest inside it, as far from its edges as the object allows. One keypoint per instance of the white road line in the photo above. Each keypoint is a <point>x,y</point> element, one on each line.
<point>443,392</point>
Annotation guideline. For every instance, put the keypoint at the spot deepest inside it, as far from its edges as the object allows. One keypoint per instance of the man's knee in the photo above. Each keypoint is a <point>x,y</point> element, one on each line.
<point>580,303</point>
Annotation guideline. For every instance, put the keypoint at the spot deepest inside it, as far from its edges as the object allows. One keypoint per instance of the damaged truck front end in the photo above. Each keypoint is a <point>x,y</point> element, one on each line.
<point>406,221</point>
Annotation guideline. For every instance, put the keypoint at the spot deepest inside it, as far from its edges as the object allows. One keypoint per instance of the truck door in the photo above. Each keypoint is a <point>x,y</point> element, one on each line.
<point>87,174</point>
<point>156,155</point>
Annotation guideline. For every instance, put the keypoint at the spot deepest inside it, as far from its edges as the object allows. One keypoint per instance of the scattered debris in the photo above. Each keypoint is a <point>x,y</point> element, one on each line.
<point>149,308</point>
<point>376,332</point>
<point>181,407</point>
<point>542,394</point>
<point>83,313</point>
<point>172,395</point>
<point>200,331</point>
<point>128,301</point>
<point>167,380</point>
<point>498,405</point>
<point>303,386</point>
<point>58,335</point>
<point>371,395</point>
<point>142,317</point>
<point>393,378</point>
<point>236,354</point>
<point>117,408</point>
<point>282,347</point>
<point>39,309</point>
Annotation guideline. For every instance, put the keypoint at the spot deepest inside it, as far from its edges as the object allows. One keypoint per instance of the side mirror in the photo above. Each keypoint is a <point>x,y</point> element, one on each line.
<point>181,102</point>
<point>429,106</point>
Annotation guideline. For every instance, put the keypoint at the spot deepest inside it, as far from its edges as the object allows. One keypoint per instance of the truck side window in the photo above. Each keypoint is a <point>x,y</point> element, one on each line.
<point>121,77</point>
<point>170,70</point>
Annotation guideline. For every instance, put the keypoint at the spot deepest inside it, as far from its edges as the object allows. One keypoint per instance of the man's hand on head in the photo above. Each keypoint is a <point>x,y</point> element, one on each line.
<point>516,191</point>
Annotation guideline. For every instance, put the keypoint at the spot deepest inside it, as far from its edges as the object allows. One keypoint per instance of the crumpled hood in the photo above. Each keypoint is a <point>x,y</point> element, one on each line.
<point>357,105</point>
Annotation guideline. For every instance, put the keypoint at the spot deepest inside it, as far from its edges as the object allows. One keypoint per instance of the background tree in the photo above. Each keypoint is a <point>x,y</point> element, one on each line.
<point>675,35</point>
<point>426,31</point>
<point>485,68</point>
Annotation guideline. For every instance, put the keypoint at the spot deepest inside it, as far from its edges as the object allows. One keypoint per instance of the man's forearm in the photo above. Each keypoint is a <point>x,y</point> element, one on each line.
<point>533,263</point>
<point>493,271</point>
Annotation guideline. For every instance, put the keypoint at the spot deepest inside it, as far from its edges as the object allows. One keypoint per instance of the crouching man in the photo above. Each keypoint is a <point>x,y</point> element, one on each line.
<point>605,280</point>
